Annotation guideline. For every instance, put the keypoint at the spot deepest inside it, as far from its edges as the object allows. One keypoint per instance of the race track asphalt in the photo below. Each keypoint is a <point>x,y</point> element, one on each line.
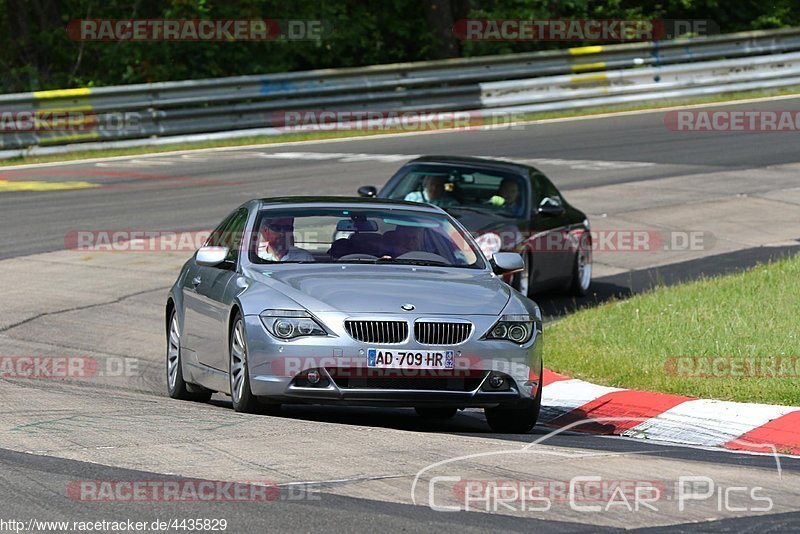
<point>625,171</point>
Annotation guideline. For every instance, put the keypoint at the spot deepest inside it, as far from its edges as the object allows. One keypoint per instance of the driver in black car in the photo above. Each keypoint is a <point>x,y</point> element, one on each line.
<point>507,195</point>
<point>434,191</point>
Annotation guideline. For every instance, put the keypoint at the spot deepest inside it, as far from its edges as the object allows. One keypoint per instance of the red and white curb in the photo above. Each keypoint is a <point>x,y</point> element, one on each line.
<point>742,426</point>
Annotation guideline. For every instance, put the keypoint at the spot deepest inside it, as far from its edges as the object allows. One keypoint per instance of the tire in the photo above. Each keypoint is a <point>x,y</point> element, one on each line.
<point>522,279</point>
<point>238,372</point>
<point>515,420</point>
<point>177,387</point>
<point>430,412</point>
<point>582,268</point>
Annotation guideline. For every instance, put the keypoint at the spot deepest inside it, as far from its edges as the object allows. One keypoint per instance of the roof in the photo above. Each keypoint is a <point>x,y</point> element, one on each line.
<point>329,200</point>
<point>487,163</point>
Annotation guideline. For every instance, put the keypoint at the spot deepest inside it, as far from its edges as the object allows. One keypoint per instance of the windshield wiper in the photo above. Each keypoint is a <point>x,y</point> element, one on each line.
<point>432,263</point>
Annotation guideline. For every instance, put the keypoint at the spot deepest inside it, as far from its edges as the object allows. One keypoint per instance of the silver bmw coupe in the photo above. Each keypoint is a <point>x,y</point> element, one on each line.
<point>354,302</point>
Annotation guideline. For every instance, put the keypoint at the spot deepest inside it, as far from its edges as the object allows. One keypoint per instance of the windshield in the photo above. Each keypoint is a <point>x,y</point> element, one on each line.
<point>463,187</point>
<point>329,235</point>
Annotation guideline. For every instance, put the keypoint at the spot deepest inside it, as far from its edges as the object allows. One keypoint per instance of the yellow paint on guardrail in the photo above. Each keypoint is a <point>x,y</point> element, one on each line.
<point>583,67</point>
<point>583,50</point>
<point>12,185</point>
<point>62,93</point>
<point>55,139</point>
<point>589,78</point>
<point>50,107</point>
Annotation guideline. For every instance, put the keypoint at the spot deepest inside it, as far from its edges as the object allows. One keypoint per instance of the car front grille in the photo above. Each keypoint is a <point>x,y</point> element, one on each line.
<point>377,331</point>
<point>438,333</point>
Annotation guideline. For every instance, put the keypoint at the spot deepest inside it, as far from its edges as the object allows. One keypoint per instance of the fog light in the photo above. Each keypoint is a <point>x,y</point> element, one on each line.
<point>496,381</point>
<point>312,376</point>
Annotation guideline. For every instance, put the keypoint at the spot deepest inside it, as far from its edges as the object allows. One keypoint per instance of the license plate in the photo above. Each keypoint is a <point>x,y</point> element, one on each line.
<point>410,359</point>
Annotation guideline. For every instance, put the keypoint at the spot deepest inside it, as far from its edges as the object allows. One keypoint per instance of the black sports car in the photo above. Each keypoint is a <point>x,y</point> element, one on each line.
<point>508,207</point>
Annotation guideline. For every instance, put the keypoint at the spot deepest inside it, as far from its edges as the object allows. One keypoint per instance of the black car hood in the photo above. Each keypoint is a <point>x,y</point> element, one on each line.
<point>479,222</point>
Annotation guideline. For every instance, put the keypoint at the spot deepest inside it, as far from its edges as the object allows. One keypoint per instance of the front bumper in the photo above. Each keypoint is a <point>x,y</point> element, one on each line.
<point>277,368</point>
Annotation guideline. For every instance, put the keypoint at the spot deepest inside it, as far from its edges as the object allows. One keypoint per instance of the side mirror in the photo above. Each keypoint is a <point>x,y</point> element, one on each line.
<point>551,210</point>
<point>367,191</point>
<point>211,256</point>
<point>507,262</point>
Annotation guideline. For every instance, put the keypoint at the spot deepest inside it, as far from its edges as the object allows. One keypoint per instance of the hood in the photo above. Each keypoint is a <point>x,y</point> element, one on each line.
<point>384,288</point>
<point>479,222</point>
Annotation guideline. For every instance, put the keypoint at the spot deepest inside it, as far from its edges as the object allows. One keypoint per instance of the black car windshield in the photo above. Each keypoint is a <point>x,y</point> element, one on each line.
<point>347,235</point>
<point>462,187</point>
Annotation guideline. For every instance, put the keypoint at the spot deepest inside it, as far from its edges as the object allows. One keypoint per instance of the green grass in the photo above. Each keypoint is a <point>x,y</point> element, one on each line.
<point>309,136</point>
<point>633,343</point>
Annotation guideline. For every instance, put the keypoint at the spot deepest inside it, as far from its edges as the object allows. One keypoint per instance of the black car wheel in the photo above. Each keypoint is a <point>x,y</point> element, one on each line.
<point>582,268</point>
<point>515,420</point>
<point>522,280</point>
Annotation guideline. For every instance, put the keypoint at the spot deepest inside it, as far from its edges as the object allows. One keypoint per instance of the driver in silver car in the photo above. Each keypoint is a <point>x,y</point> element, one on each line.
<point>402,240</point>
<point>276,241</point>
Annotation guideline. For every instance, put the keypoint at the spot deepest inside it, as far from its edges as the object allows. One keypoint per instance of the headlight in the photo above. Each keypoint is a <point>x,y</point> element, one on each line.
<point>490,243</point>
<point>515,328</point>
<point>290,324</point>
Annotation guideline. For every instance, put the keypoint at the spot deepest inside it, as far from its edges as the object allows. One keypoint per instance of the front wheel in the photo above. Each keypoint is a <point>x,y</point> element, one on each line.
<point>522,279</point>
<point>177,387</point>
<point>241,396</point>
<point>515,420</point>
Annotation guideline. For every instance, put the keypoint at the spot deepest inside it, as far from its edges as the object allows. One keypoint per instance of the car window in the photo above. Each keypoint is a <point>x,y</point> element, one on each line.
<point>234,233</point>
<point>229,234</point>
<point>455,186</point>
<point>218,234</point>
<point>328,235</point>
<point>546,192</point>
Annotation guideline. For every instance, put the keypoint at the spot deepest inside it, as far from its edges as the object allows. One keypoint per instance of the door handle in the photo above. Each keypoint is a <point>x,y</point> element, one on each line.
<point>196,281</point>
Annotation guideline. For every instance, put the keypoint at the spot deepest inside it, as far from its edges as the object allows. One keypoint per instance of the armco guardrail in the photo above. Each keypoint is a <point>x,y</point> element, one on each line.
<point>540,81</point>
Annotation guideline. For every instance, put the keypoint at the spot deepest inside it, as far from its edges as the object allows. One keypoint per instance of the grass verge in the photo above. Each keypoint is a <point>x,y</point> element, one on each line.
<point>313,136</point>
<point>656,341</point>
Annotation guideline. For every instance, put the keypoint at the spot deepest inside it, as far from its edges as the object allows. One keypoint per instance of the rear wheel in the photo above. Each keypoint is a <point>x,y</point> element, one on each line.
<point>176,386</point>
<point>428,412</point>
<point>582,268</point>
<point>515,420</point>
<point>241,396</point>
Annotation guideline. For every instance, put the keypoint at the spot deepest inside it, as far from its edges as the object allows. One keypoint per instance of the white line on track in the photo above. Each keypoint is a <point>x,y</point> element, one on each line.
<point>392,135</point>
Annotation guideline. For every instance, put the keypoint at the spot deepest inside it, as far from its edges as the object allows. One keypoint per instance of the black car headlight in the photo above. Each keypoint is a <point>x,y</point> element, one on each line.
<point>515,328</point>
<point>291,324</point>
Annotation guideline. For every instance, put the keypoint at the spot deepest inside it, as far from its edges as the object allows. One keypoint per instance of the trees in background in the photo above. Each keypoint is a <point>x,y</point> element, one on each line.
<point>36,52</point>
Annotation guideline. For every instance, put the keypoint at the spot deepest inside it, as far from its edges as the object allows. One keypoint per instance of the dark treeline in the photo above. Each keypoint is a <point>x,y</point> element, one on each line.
<point>37,53</point>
